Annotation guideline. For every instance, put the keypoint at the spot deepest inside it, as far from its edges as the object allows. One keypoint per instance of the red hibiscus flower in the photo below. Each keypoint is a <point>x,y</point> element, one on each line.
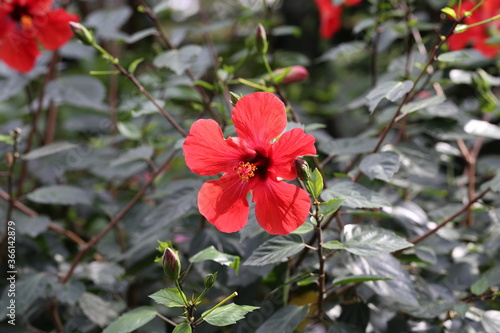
<point>330,16</point>
<point>252,162</point>
<point>24,23</point>
<point>477,36</point>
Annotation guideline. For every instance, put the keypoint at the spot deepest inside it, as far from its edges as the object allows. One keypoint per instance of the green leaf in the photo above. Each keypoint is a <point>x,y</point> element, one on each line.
<point>129,130</point>
<point>461,309</point>
<point>210,253</point>
<point>133,66</point>
<point>96,309</point>
<point>315,183</point>
<point>462,57</point>
<point>178,60</point>
<point>423,104</point>
<point>426,254</point>
<point>357,278</point>
<point>493,184</point>
<point>132,320</point>
<point>488,279</point>
<point>182,328</point>
<point>399,291</point>
<point>275,250</point>
<point>381,166</point>
<point>7,139</point>
<point>367,240</point>
<point>132,155</point>
<point>347,146</point>
<point>450,11</point>
<point>285,319</point>
<point>355,195</point>
<point>304,228</point>
<point>60,195</point>
<point>77,90</point>
<point>482,128</point>
<point>390,90</point>
<point>48,150</point>
<point>227,314</point>
<point>169,297</point>
<point>334,245</point>
<point>331,206</point>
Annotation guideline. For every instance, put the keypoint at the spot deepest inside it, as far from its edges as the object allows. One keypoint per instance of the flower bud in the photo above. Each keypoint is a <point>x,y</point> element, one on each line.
<point>303,171</point>
<point>82,33</point>
<point>295,74</point>
<point>234,98</point>
<point>261,39</point>
<point>171,264</point>
<point>210,280</point>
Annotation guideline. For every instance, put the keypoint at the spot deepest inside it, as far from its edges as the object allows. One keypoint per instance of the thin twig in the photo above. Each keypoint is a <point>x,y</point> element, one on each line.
<point>446,221</point>
<point>93,242</point>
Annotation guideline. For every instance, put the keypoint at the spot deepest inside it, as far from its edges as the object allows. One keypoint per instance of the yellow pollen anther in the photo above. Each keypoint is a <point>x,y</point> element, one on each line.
<point>26,22</point>
<point>245,170</point>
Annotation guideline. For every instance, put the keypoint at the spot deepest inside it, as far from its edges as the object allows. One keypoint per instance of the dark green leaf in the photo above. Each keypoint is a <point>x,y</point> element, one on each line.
<point>139,153</point>
<point>488,279</point>
<point>347,146</point>
<point>275,250</point>
<point>96,309</point>
<point>355,195</point>
<point>381,166</point>
<point>227,314</point>
<point>423,103</point>
<point>285,319</point>
<point>398,291</point>
<point>304,228</point>
<point>60,195</point>
<point>367,240</point>
<point>178,60</point>
<point>390,90</point>
<point>132,320</point>
<point>169,297</point>
<point>357,278</point>
<point>48,150</point>
<point>210,253</point>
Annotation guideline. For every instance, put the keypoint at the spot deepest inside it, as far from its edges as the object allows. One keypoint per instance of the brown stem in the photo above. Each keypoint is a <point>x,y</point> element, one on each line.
<point>93,242</point>
<point>55,317</point>
<point>410,94</point>
<point>471,174</point>
<point>152,15</point>
<point>445,221</point>
<point>321,260</point>
<point>146,93</point>
<point>50,127</point>
<point>52,226</point>
<point>34,121</point>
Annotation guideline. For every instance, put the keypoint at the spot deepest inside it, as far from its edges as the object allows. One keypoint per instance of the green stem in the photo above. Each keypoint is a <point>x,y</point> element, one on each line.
<point>215,307</point>
<point>491,19</point>
<point>268,67</point>
<point>184,299</point>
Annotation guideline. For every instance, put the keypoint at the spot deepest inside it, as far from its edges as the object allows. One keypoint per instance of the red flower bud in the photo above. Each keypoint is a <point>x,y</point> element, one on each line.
<point>171,264</point>
<point>295,74</point>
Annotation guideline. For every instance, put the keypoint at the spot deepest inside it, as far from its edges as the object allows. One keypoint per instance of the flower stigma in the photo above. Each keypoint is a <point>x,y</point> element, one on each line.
<point>26,22</point>
<point>245,170</point>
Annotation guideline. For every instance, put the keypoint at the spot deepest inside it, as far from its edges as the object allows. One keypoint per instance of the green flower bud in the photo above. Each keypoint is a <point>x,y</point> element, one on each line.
<point>82,33</point>
<point>210,280</point>
<point>234,98</point>
<point>261,39</point>
<point>303,171</point>
<point>171,264</point>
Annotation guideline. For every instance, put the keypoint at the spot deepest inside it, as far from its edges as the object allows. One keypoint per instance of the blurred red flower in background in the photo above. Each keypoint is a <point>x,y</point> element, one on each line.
<point>251,162</point>
<point>330,16</point>
<point>24,23</point>
<point>476,37</point>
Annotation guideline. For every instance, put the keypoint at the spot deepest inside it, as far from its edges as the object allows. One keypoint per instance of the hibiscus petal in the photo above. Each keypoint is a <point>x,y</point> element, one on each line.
<point>224,203</point>
<point>330,18</point>
<point>53,29</point>
<point>280,207</point>
<point>258,118</point>
<point>208,154</point>
<point>289,146</point>
<point>18,49</point>
<point>39,7</point>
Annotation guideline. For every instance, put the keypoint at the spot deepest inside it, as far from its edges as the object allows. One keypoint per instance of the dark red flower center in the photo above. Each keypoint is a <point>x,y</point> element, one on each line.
<point>21,15</point>
<point>251,167</point>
